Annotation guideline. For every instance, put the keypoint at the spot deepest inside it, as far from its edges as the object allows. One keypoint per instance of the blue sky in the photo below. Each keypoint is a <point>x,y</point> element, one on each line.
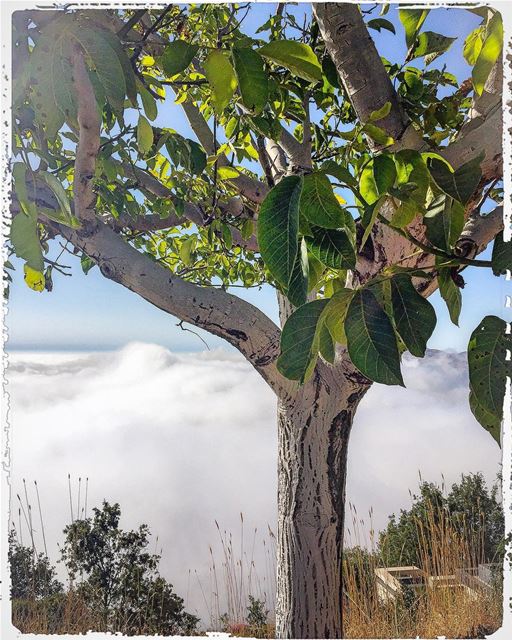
<point>92,313</point>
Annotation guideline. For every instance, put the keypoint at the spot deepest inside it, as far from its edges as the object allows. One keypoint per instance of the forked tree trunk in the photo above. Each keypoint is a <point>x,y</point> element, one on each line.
<point>314,430</point>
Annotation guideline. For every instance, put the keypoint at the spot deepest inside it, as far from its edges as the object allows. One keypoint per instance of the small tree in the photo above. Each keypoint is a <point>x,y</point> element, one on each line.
<point>471,508</point>
<point>32,575</point>
<point>116,576</point>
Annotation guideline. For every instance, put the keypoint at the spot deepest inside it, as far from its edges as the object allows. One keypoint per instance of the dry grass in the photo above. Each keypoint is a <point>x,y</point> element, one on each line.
<point>428,611</point>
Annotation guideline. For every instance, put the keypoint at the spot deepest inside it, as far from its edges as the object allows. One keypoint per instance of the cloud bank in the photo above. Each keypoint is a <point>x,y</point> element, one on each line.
<point>184,440</point>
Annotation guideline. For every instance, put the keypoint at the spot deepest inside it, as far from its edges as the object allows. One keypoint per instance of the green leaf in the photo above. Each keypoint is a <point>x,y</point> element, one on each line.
<point>371,216</point>
<point>222,78</point>
<point>148,102</point>
<point>51,84</point>
<point>330,72</point>
<point>129,75</point>
<point>332,168</point>
<point>405,213</point>
<point>450,293</point>
<point>460,184</point>
<point>473,45</point>
<point>378,135</point>
<point>335,313</point>
<point>319,204</point>
<point>489,53</point>
<point>326,343</point>
<point>25,241</point>
<point>300,341</point>
<point>177,56</point>
<point>414,316</point>
<point>371,340</point>
<point>197,162</point>
<point>380,23</point>
<point>252,78</point>
<point>501,255</point>
<point>185,251</point>
<point>278,227</point>
<point>297,57</point>
<point>144,135</point>
<point>298,289</point>
<point>412,21</point>
<point>429,43</point>
<point>86,263</point>
<point>63,215</point>
<point>384,173</point>
<point>444,223</point>
<point>411,168</point>
<point>488,420</point>
<point>104,59</point>
<point>367,185</point>
<point>381,113</point>
<point>19,172</point>
<point>333,248</point>
<point>488,365</point>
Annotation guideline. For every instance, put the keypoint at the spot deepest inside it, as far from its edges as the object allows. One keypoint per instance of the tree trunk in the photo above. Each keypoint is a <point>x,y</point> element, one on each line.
<point>314,429</point>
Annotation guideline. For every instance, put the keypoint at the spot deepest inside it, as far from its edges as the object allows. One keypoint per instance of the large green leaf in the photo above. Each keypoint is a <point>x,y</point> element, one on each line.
<point>104,59</point>
<point>473,45</point>
<point>51,85</point>
<point>412,170</point>
<point>488,420</point>
<point>460,184</point>
<point>318,202</point>
<point>25,241</point>
<point>278,227</point>
<point>371,340</point>
<point>299,58</point>
<point>177,56</point>
<point>252,78</point>
<point>412,21</point>
<point>384,173</point>
<point>298,287</point>
<point>501,255</point>
<point>222,78</point>
<point>414,316</point>
<point>332,247</point>
<point>489,52</point>
<point>300,341</point>
<point>429,43</point>
<point>444,222</point>
<point>450,293</point>
<point>488,366</point>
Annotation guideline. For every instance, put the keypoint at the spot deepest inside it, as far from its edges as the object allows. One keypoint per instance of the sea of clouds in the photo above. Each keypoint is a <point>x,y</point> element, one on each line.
<point>184,440</point>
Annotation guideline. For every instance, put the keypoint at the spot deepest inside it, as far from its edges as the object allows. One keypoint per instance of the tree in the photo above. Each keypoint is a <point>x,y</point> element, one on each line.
<point>472,509</point>
<point>117,577</point>
<point>32,575</point>
<point>368,198</point>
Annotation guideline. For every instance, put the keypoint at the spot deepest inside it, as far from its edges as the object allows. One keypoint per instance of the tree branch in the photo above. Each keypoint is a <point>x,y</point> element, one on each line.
<point>253,190</point>
<point>214,310</point>
<point>360,68</point>
<point>89,140</point>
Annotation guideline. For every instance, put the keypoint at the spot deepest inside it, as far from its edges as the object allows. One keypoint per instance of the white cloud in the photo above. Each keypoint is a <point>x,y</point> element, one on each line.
<point>182,440</point>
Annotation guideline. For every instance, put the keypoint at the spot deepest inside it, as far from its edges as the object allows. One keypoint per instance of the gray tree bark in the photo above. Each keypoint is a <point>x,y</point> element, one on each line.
<point>314,428</point>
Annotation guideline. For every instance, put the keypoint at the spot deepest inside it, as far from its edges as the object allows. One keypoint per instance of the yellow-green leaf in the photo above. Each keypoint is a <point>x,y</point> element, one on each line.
<point>144,135</point>
<point>221,77</point>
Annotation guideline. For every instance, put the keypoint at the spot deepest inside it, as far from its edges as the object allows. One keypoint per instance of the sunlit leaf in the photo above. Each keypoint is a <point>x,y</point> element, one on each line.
<point>299,58</point>
<point>177,56</point>
<point>222,78</point>
<point>252,78</point>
